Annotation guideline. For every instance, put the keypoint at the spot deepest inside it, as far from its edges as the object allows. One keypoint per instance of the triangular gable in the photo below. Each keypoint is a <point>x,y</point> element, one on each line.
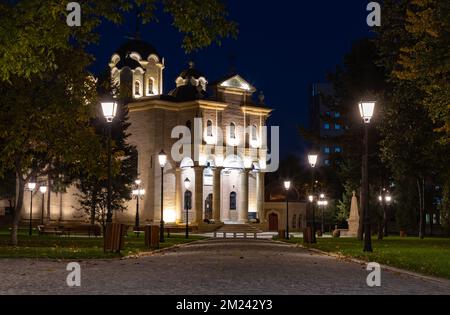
<point>237,82</point>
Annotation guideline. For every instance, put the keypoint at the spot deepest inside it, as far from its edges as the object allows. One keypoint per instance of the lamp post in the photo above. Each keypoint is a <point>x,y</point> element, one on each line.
<point>322,203</point>
<point>162,157</point>
<point>31,188</point>
<point>187,185</point>
<point>366,110</point>
<point>109,109</point>
<point>43,190</point>
<point>138,193</point>
<point>312,159</point>
<point>287,186</point>
<point>385,199</point>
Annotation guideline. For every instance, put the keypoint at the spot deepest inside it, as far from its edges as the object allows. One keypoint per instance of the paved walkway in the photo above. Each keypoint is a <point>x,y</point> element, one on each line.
<point>226,267</point>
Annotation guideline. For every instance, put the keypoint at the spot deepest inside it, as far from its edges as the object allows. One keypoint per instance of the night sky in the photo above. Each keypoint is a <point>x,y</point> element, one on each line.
<point>282,47</point>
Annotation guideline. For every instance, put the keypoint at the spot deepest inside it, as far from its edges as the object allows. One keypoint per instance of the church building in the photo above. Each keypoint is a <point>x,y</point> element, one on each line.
<point>214,136</point>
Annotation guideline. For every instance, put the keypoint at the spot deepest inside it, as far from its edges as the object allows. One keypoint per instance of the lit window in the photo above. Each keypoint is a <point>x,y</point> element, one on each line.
<point>150,86</point>
<point>326,150</point>
<point>337,115</point>
<point>337,127</point>
<point>254,133</point>
<point>232,131</point>
<point>338,150</point>
<point>209,128</point>
<point>137,88</point>
<point>327,126</point>
<point>327,162</point>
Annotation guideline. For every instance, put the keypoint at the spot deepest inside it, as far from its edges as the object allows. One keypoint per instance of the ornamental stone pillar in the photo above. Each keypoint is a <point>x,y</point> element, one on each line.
<point>217,205</point>
<point>243,209</point>
<point>178,196</point>
<point>260,195</point>
<point>198,195</point>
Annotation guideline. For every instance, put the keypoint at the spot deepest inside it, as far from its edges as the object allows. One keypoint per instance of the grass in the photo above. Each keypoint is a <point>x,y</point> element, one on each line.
<point>55,247</point>
<point>430,256</point>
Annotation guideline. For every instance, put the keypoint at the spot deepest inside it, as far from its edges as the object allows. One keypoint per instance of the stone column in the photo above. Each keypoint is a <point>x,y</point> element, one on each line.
<point>260,195</point>
<point>198,195</point>
<point>243,209</point>
<point>178,196</point>
<point>217,205</point>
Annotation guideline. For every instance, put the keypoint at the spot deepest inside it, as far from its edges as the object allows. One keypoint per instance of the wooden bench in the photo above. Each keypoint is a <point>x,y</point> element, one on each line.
<point>49,230</point>
<point>85,229</point>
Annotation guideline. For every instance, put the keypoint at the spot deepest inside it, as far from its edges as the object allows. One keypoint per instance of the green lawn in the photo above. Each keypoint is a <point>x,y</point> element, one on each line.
<point>55,247</point>
<point>430,256</point>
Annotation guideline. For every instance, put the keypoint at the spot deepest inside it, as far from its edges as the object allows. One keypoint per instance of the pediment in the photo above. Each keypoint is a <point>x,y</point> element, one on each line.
<point>237,82</point>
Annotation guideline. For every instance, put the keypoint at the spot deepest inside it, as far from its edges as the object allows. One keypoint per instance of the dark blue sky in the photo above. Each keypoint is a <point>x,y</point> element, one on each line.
<point>282,46</point>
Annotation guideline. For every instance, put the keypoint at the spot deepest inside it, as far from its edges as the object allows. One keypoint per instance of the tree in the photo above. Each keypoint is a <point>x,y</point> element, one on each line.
<point>93,184</point>
<point>406,127</point>
<point>36,30</point>
<point>47,102</point>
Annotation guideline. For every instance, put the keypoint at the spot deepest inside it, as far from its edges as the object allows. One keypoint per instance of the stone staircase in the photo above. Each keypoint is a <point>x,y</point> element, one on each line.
<point>237,231</point>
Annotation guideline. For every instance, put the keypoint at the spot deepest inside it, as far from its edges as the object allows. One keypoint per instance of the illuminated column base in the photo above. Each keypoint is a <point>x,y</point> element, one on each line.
<point>243,209</point>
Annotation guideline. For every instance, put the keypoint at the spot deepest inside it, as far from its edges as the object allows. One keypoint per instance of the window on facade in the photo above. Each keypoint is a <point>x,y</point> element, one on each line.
<point>150,86</point>
<point>254,133</point>
<point>337,127</point>
<point>327,162</point>
<point>232,131</point>
<point>233,199</point>
<point>327,126</point>
<point>209,128</point>
<point>294,221</point>
<point>338,150</point>
<point>337,115</point>
<point>328,114</point>
<point>326,150</point>
<point>137,88</point>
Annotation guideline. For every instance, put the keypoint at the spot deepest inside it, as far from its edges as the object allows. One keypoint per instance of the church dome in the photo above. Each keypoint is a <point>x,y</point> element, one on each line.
<point>191,72</point>
<point>144,49</point>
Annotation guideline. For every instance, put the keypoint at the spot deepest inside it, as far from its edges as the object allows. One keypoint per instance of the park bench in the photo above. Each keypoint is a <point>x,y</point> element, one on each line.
<point>82,229</point>
<point>49,230</point>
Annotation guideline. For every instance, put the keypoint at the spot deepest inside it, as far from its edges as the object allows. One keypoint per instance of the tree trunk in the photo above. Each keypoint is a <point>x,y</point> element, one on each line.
<point>49,194</point>
<point>18,210</point>
<point>421,210</point>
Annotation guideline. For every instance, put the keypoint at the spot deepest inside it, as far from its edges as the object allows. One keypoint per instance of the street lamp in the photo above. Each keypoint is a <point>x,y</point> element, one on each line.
<point>43,189</point>
<point>385,199</point>
<point>31,187</point>
<point>366,109</point>
<point>138,193</point>
<point>109,109</point>
<point>312,159</point>
<point>287,186</point>
<point>187,186</point>
<point>322,203</point>
<point>162,157</point>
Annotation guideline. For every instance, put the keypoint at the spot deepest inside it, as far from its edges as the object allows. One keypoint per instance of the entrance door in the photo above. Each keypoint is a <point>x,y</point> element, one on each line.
<point>208,207</point>
<point>273,222</point>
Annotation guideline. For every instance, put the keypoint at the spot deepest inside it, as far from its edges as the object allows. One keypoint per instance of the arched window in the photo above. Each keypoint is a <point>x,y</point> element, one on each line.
<point>209,128</point>
<point>294,221</point>
<point>232,131</point>
<point>137,88</point>
<point>254,133</point>
<point>151,84</point>
<point>233,199</point>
